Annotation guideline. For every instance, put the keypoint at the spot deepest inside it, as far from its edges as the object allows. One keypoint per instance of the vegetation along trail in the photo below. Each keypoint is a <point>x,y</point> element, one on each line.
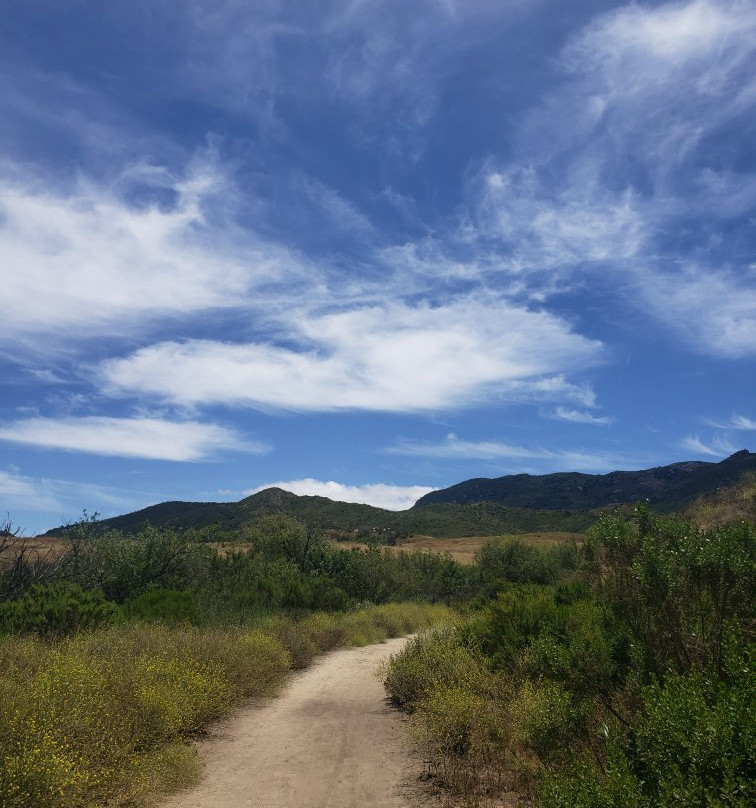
<point>329,741</point>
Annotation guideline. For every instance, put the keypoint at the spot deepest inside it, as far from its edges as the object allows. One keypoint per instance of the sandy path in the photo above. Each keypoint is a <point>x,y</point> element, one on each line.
<point>329,741</point>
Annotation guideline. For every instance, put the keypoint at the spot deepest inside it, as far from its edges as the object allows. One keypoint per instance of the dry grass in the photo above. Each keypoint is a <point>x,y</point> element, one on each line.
<point>463,549</point>
<point>34,548</point>
<point>729,505</point>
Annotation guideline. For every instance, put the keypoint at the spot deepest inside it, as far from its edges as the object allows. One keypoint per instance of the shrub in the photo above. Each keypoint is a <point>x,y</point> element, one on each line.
<point>170,606</point>
<point>294,637</point>
<point>586,786</point>
<point>696,739</point>
<point>674,587</point>
<point>56,609</point>
<point>431,660</point>
<point>545,719</point>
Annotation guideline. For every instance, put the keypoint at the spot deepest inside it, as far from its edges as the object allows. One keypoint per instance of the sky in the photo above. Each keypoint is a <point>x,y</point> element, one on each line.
<point>366,249</point>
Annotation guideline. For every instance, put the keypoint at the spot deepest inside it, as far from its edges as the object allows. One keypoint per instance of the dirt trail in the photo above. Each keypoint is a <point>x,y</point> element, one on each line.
<point>329,741</point>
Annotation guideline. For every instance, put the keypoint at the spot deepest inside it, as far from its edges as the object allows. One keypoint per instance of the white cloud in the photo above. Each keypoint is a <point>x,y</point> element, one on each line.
<point>559,230</point>
<point>611,170</point>
<point>579,416</point>
<point>380,495</point>
<point>454,448</point>
<point>719,446</point>
<point>149,438</point>
<point>671,34</point>
<point>86,261</point>
<point>393,357</point>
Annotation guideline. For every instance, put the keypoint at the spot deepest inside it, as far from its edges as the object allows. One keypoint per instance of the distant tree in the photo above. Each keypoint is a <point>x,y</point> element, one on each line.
<point>280,535</point>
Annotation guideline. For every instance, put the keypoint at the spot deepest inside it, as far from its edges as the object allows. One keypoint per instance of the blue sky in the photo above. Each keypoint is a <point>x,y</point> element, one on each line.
<point>365,249</point>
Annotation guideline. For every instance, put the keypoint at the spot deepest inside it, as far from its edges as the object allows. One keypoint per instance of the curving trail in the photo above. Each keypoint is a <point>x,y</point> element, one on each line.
<point>330,740</point>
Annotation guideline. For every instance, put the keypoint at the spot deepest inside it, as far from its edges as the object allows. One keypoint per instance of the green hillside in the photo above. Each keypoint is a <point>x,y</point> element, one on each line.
<point>445,520</point>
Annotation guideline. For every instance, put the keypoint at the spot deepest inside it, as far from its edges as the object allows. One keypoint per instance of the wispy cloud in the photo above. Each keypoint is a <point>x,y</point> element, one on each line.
<point>493,450</point>
<point>717,446</point>
<point>579,416</point>
<point>603,187</point>
<point>736,423</point>
<point>149,438</point>
<point>714,309</point>
<point>90,253</point>
<point>392,357</point>
<point>26,492</point>
<point>54,501</point>
<point>380,495</point>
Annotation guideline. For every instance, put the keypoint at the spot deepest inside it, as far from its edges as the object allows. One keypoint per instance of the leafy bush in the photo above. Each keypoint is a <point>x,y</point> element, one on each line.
<point>545,719</point>
<point>56,609</point>
<point>674,587</point>
<point>170,606</point>
<point>503,561</point>
<point>125,567</point>
<point>629,684</point>
<point>693,746</point>
<point>696,738</point>
<point>431,660</point>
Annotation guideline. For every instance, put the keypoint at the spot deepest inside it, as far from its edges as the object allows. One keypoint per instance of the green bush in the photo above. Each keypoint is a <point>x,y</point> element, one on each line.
<point>696,739</point>
<point>431,660</point>
<point>584,785</point>
<point>170,606</point>
<point>503,561</point>
<point>693,746</point>
<point>545,720</point>
<point>56,609</point>
<point>673,586</point>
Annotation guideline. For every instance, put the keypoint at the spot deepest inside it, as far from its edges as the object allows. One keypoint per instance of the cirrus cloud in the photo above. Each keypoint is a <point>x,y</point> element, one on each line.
<point>97,261</point>
<point>522,457</point>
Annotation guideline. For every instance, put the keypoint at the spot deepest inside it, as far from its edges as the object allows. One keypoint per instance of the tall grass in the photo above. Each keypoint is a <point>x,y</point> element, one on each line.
<point>103,717</point>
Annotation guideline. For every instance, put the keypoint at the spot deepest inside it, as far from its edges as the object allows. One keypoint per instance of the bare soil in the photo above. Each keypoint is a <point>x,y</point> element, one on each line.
<point>330,740</point>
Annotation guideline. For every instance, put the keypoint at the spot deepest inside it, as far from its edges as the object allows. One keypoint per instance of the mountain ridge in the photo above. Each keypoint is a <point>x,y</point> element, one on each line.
<point>477,507</point>
<point>666,488</point>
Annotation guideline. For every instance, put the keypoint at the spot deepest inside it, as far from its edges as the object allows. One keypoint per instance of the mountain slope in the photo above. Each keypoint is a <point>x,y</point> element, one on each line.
<point>665,487</point>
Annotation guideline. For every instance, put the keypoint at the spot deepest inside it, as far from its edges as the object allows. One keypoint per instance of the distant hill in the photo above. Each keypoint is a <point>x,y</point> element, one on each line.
<point>666,488</point>
<point>351,519</point>
<point>518,503</point>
